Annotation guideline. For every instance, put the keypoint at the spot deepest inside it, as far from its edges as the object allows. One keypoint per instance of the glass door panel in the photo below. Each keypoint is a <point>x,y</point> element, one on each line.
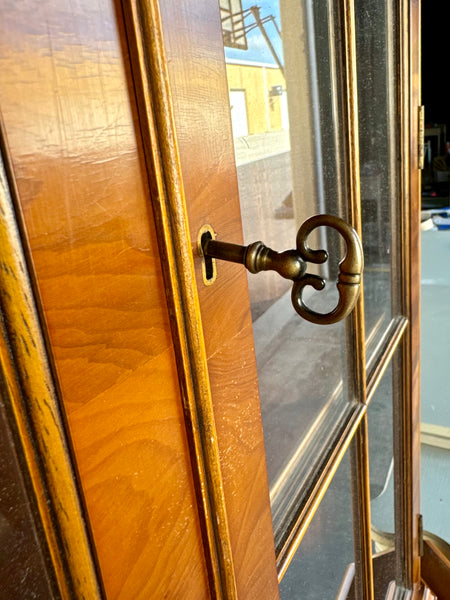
<point>288,89</point>
<point>286,101</point>
<point>326,551</point>
<point>381,458</point>
<point>378,146</point>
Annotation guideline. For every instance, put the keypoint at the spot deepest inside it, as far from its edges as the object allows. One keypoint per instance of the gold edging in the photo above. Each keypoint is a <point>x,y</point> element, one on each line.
<point>298,530</point>
<point>359,460</point>
<point>355,330</point>
<point>407,405</point>
<point>33,404</point>
<point>149,66</point>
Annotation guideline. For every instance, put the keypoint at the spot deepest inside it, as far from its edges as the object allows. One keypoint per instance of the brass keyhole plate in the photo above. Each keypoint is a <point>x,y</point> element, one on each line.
<point>209,269</point>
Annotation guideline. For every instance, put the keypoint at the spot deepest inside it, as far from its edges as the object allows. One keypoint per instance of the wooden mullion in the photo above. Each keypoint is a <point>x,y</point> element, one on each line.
<point>149,64</point>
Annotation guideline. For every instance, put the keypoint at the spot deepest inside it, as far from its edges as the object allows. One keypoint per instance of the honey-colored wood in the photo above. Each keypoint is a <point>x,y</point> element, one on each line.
<point>66,99</point>
<point>355,327</point>
<point>414,60</point>
<point>118,163</point>
<point>32,400</point>
<point>197,76</point>
<point>146,43</point>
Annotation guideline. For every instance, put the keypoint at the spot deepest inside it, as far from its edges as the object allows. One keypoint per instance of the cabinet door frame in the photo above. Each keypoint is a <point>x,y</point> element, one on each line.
<point>147,45</point>
<point>148,32</point>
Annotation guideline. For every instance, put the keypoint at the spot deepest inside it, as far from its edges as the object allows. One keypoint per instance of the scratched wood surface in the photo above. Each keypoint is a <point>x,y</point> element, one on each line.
<point>197,75</point>
<point>71,134</point>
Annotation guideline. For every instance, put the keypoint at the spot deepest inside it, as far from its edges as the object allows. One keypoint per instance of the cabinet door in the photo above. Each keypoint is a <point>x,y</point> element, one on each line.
<point>206,419</point>
<point>325,124</point>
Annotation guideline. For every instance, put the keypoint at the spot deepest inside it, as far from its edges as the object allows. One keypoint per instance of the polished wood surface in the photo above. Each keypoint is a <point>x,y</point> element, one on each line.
<point>30,399</point>
<point>67,110</point>
<point>78,150</point>
<point>149,66</point>
<point>197,75</point>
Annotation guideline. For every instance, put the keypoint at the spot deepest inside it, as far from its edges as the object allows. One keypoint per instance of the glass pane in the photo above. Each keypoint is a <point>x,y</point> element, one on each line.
<point>326,551</point>
<point>318,568</point>
<point>435,330</point>
<point>381,457</point>
<point>285,88</point>
<point>435,360</point>
<point>377,111</point>
<point>24,572</point>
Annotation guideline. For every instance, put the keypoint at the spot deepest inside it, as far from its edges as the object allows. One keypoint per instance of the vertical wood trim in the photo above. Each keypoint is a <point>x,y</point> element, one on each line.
<point>362,521</point>
<point>407,410</point>
<point>356,330</point>
<point>34,406</point>
<point>402,400</point>
<point>355,324</point>
<point>149,66</point>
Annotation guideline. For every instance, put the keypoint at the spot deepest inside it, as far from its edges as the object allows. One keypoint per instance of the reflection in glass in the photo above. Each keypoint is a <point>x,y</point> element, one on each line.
<point>326,552</point>
<point>287,119</point>
<point>378,147</point>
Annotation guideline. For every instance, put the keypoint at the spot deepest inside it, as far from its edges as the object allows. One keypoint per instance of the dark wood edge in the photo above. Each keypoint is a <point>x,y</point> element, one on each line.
<point>289,546</point>
<point>435,566</point>
<point>156,121</point>
<point>36,415</point>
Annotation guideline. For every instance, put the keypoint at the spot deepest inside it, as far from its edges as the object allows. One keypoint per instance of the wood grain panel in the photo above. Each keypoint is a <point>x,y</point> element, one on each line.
<point>65,104</point>
<point>30,404</point>
<point>149,64</point>
<point>197,74</point>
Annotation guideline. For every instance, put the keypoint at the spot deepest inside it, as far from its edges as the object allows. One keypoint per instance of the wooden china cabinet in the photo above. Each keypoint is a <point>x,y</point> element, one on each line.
<point>172,428</point>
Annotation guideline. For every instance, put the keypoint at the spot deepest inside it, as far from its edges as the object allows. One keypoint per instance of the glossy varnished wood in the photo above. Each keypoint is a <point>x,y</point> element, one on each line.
<point>414,59</point>
<point>153,94</point>
<point>66,100</point>
<point>31,398</point>
<point>197,76</point>
<point>407,407</point>
<point>355,327</point>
